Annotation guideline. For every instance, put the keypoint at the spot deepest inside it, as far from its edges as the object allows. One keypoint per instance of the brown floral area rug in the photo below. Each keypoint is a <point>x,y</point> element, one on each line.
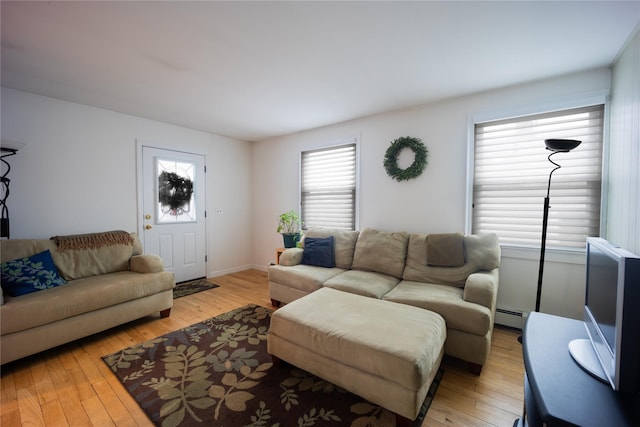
<point>191,287</point>
<point>218,373</point>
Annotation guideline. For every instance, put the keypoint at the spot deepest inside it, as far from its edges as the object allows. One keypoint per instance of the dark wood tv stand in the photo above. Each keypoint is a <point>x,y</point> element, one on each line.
<point>557,391</point>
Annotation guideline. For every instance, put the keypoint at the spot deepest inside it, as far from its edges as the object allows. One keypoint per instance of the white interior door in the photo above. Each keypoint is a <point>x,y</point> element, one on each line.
<point>173,210</point>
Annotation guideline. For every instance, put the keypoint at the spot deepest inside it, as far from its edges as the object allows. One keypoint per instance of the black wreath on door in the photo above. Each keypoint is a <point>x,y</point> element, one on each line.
<point>174,190</point>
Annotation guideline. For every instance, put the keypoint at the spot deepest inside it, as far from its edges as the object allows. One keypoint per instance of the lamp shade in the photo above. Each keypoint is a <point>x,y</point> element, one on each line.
<point>561,145</point>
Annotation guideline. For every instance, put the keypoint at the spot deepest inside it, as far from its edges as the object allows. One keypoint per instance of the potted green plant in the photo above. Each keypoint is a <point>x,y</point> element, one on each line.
<point>290,226</point>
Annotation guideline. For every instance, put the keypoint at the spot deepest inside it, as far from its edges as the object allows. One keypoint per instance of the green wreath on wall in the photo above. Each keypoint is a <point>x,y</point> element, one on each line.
<point>419,163</point>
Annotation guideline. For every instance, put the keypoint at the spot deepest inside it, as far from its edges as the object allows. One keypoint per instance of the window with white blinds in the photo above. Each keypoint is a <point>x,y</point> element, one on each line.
<point>511,174</point>
<point>328,186</point>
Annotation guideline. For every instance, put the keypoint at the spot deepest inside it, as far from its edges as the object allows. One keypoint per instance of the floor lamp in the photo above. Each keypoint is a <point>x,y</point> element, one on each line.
<point>556,146</point>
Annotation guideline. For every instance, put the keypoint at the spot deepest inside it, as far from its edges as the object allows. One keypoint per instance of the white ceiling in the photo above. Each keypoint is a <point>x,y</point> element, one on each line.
<point>254,70</point>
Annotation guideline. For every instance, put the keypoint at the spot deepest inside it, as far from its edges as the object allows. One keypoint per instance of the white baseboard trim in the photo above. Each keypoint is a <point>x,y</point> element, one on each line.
<point>260,267</point>
<point>231,270</point>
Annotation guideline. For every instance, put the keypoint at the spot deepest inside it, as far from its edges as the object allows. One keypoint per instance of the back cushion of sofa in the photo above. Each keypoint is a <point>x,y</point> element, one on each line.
<point>75,263</point>
<point>79,261</point>
<point>21,248</point>
<point>381,251</point>
<point>344,243</point>
<point>482,252</point>
<point>137,245</point>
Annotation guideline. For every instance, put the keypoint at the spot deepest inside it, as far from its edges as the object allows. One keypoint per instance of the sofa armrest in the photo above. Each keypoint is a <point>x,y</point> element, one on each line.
<point>291,256</point>
<point>146,263</point>
<point>482,288</point>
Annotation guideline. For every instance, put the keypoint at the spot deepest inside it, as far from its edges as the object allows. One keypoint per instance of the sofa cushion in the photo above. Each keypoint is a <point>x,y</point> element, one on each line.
<point>446,301</point>
<point>344,242</point>
<point>137,245</point>
<point>445,250</point>
<point>11,249</point>
<point>74,264</point>
<point>306,278</point>
<point>482,252</point>
<point>381,251</point>
<point>78,264</point>
<point>365,283</point>
<point>319,251</point>
<point>76,260</point>
<point>78,297</point>
<point>30,274</point>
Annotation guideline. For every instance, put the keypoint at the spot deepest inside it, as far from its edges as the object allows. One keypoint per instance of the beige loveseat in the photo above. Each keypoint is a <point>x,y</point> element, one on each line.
<point>108,282</point>
<point>453,275</point>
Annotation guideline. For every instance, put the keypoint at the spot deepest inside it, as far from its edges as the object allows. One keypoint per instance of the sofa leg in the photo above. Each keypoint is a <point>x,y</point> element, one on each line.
<point>277,362</point>
<point>474,368</point>
<point>275,303</point>
<point>165,313</point>
<point>403,421</point>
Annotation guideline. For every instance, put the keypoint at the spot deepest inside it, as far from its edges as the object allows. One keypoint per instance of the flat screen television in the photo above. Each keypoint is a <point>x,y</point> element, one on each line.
<point>611,316</point>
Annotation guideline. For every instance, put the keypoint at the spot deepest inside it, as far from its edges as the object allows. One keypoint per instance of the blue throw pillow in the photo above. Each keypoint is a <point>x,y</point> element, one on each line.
<point>31,274</point>
<point>318,251</point>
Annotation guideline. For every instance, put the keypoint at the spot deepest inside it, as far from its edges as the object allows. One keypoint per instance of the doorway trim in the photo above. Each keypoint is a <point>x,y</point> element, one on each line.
<point>140,221</point>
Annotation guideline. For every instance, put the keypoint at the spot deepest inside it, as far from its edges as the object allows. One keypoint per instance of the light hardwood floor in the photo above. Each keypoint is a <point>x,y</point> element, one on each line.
<point>71,385</point>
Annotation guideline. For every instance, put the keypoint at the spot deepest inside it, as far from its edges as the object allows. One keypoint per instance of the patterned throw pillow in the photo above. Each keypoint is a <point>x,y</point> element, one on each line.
<point>31,274</point>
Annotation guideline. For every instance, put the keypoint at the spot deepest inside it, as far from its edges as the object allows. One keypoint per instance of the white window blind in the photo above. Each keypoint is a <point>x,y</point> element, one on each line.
<point>329,187</point>
<point>511,174</point>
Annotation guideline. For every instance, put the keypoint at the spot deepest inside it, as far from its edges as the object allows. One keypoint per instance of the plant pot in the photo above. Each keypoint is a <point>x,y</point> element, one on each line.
<point>290,240</point>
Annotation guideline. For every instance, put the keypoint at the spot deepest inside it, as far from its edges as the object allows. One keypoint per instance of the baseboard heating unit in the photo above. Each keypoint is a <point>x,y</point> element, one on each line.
<point>511,318</point>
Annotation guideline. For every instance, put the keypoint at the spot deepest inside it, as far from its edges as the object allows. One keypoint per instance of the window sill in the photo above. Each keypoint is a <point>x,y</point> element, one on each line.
<point>569,256</point>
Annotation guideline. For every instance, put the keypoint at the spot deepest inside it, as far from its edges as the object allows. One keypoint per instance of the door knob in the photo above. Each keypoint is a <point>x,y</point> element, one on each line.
<point>148,227</point>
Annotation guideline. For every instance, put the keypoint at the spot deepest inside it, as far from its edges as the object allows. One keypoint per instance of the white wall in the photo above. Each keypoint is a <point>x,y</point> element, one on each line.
<point>75,172</point>
<point>435,201</point>
<point>623,226</point>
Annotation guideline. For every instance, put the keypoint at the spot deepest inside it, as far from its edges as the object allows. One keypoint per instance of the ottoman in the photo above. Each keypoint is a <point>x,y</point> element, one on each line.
<point>385,352</point>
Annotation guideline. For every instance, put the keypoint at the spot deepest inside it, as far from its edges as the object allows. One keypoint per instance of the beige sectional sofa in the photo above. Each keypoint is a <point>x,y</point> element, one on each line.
<point>453,275</point>
<point>108,283</point>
